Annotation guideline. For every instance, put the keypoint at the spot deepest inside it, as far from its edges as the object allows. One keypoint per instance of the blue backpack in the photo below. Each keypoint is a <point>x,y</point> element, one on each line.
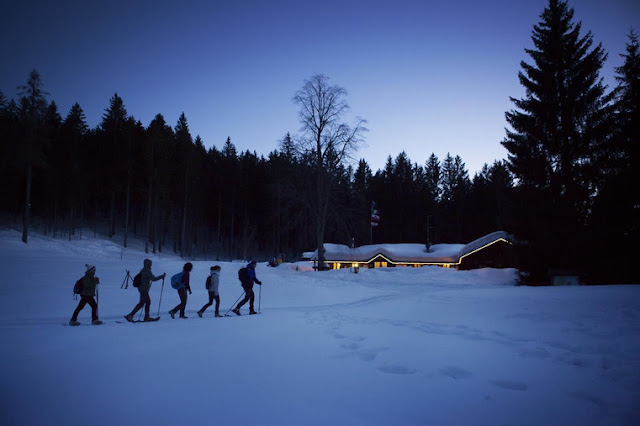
<point>176,281</point>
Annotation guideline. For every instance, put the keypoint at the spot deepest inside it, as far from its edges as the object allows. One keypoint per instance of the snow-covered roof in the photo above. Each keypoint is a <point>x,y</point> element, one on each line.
<point>407,252</point>
<point>484,241</point>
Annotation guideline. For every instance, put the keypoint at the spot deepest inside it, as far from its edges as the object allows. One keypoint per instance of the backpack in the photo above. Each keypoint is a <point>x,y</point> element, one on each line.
<point>78,287</point>
<point>207,284</point>
<point>243,275</point>
<point>137,280</point>
<point>176,281</point>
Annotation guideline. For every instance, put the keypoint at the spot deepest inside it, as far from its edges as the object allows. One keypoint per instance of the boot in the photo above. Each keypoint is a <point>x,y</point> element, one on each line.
<point>74,323</point>
<point>129,317</point>
<point>96,322</point>
<point>236,311</point>
<point>200,314</point>
<point>173,315</point>
<point>218,315</point>
<point>252,312</point>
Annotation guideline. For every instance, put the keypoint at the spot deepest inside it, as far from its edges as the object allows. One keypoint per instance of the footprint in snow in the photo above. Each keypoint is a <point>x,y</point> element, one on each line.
<point>510,385</point>
<point>350,346</point>
<point>455,372</point>
<point>397,369</point>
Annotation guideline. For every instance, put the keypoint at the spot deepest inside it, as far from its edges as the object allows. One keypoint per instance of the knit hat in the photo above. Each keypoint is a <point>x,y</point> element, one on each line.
<point>89,267</point>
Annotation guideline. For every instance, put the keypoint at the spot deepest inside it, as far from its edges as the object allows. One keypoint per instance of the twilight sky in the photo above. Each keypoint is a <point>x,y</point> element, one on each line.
<point>428,77</point>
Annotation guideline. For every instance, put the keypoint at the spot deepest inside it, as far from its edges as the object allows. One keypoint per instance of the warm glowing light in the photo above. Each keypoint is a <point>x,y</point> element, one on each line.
<point>384,261</point>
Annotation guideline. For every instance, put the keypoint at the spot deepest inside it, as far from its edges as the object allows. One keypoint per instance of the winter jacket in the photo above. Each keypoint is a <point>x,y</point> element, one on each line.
<point>89,285</point>
<point>146,276</point>
<point>251,278</point>
<point>213,281</point>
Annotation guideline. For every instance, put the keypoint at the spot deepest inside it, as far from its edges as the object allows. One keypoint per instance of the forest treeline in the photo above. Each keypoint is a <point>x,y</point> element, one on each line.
<point>158,182</point>
<point>568,189</point>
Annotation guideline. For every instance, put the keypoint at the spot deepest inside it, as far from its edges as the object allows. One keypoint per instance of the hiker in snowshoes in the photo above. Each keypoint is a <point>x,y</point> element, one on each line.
<point>212,283</point>
<point>146,277</point>
<point>87,292</point>
<point>247,278</point>
<point>182,286</point>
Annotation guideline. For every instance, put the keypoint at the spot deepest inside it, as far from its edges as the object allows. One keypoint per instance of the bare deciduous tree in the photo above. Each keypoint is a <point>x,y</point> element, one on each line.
<point>327,138</point>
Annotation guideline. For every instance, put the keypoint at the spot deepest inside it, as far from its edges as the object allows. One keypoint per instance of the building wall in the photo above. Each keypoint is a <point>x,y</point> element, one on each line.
<point>498,255</point>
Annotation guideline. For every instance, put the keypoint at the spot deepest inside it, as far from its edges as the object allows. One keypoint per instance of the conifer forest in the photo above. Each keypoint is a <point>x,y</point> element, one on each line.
<point>567,191</point>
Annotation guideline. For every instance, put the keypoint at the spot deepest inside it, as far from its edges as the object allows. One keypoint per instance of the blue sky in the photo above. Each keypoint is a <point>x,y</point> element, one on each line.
<point>428,77</point>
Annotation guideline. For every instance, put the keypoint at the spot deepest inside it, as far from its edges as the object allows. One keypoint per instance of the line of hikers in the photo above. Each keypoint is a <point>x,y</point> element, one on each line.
<point>86,288</point>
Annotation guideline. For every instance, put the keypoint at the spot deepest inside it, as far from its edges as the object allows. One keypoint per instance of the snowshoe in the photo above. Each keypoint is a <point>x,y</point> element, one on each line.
<point>129,317</point>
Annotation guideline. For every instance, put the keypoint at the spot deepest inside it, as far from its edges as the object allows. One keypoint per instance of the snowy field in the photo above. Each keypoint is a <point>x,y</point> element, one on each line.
<point>426,346</point>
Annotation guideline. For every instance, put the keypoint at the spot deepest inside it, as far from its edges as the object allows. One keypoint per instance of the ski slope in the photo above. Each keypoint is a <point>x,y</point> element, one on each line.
<point>396,346</point>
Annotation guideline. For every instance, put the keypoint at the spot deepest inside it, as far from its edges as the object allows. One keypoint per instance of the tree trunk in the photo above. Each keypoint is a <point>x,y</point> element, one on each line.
<point>147,235</point>
<point>27,200</point>
<point>218,232</point>
<point>184,218</point>
<point>126,214</point>
<point>112,214</point>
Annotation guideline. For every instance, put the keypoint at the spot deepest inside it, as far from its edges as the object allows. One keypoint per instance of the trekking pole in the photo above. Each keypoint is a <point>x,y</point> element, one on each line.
<point>243,293</point>
<point>125,281</point>
<point>97,297</point>
<point>259,297</point>
<point>161,290</point>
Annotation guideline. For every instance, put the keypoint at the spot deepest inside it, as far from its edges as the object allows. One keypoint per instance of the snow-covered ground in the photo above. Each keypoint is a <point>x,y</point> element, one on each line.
<point>426,346</point>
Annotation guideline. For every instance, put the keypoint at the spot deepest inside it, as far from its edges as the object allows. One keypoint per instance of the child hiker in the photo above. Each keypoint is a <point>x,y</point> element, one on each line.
<point>182,286</point>
<point>89,283</point>
<point>213,281</point>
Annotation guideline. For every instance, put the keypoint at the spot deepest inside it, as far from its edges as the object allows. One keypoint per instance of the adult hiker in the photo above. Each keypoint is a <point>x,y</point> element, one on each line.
<point>146,277</point>
<point>182,285</point>
<point>247,279</point>
<point>89,283</point>
<point>212,283</point>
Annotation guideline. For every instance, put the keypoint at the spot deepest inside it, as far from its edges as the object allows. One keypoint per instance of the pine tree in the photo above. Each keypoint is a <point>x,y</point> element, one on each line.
<point>112,142</point>
<point>73,136</point>
<point>51,191</point>
<point>628,104</point>
<point>33,106</point>
<point>616,217</point>
<point>288,148</point>
<point>184,145</point>
<point>432,177</point>
<point>362,196</point>
<point>557,131</point>
<point>158,162</point>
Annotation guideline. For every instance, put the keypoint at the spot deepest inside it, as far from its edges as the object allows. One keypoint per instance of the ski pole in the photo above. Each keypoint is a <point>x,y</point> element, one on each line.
<point>243,293</point>
<point>161,290</point>
<point>259,297</point>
